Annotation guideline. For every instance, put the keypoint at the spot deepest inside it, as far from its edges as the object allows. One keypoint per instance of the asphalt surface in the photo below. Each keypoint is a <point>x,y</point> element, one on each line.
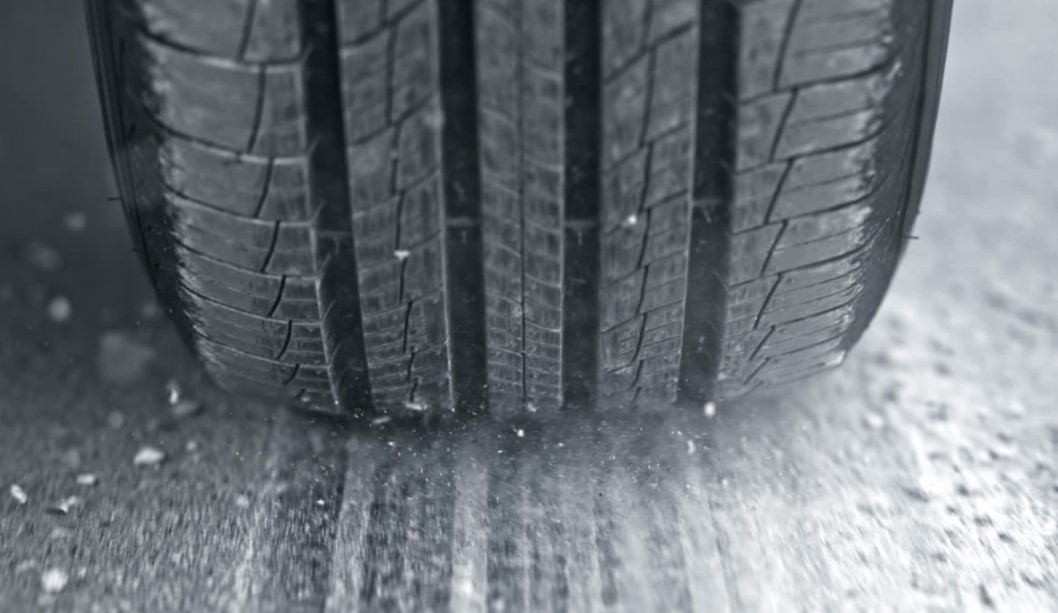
<point>921,476</point>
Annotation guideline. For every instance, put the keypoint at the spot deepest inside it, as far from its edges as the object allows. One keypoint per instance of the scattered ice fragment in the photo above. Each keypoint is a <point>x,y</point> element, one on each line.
<point>710,409</point>
<point>25,565</point>
<point>631,220</point>
<point>43,257</point>
<point>121,358</point>
<point>148,456</point>
<point>87,479</point>
<point>64,506</point>
<point>242,501</point>
<point>19,494</point>
<point>172,388</point>
<point>53,580</point>
<point>531,407</point>
<point>414,406</point>
<point>690,447</point>
<point>319,502</point>
<point>401,254</point>
<point>873,420</point>
<point>115,419</point>
<point>191,446</point>
<point>391,444</point>
<point>81,572</point>
<point>520,433</point>
<point>75,222</point>
<point>378,421</point>
<point>60,309</point>
<point>186,408</point>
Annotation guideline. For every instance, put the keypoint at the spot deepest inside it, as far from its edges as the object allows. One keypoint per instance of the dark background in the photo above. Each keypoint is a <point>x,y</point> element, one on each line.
<point>922,474</point>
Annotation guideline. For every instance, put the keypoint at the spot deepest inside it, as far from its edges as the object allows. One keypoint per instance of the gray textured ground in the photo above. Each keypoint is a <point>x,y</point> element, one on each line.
<point>922,475</point>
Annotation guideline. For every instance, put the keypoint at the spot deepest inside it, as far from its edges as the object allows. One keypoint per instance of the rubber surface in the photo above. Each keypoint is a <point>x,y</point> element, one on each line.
<point>515,206</point>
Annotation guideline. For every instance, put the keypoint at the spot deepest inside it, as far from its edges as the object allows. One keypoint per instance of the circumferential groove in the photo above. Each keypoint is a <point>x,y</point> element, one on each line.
<point>333,248</point>
<point>581,255</point>
<point>711,194</point>
<point>461,178</point>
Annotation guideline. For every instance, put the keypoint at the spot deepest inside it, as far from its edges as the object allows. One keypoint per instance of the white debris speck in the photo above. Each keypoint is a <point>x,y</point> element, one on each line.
<point>242,502</point>
<point>191,446</point>
<point>874,421</point>
<point>172,388</point>
<point>401,254</point>
<point>631,220</point>
<point>378,421</point>
<point>81,572</point>
<point>691,448</point>
<point>414,406</point>
<point>186,408</point>
<point>60,309</point>
<point>391,444</point>
<point>65,505</point>
<point>43,257</point>
<point>520,433</point>
<point>320,502</point>
<point>75,222</point>
<point>19,494</point>
<point>115,419</point>
<point>710,409</point>
<point>148,456</point>
<point>87,479</point>
<point>53,580</point>
<point>531,407</point>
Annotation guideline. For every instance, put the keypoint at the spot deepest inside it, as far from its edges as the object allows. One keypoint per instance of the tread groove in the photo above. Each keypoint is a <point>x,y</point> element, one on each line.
<point>462,199</point>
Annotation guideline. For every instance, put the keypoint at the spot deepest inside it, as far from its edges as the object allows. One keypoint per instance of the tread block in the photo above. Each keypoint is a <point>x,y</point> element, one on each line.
<point>237,107</point>
<point>268,29</point>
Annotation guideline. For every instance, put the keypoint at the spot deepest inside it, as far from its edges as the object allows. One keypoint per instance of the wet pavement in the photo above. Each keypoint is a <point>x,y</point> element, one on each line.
<point>924,474</point>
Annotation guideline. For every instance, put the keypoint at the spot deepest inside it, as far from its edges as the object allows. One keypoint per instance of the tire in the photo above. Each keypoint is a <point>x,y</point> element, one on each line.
<point>518,206</point>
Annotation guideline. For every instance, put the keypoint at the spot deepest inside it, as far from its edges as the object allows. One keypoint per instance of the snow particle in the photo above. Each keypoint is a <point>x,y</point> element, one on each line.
<point>19,494</point>
<point>874,421</point>
<point>53,580</point>
<point>148,456</point>
<point>520,433</point>
<point>382,420</point>
<point>76,222</point>
<point>415,406</point>
<point>60,309</point>
<point>242,502</point>
<point>631,220</point>
<point>710,409</point>
<point>87,479</point>
<point>115,419</point>
<point>172,389</point>
<point>401,254</point>
<point>121,359</point>
<point>186,408</point>
<point>64,506</point>
<point>43,257</point>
